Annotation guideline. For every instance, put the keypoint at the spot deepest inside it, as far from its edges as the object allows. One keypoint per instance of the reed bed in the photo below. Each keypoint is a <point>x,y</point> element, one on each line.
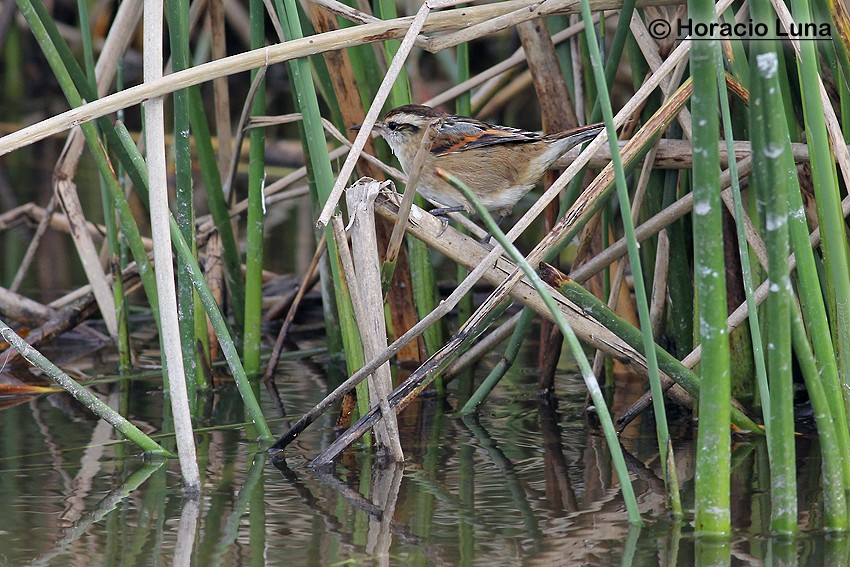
<point>728,156</point>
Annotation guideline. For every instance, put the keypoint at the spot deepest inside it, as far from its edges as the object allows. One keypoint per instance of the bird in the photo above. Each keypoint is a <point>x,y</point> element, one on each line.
<point>500,164</point>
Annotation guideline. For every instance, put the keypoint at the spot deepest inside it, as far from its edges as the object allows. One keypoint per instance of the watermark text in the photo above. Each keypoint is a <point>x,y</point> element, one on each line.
<point>744,30</point>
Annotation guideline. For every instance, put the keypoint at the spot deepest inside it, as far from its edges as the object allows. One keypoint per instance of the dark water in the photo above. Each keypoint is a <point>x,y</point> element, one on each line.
<point>524,483</point>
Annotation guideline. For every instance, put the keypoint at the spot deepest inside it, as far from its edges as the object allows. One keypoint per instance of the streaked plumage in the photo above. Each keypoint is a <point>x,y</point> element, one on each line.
<point>499,163</point>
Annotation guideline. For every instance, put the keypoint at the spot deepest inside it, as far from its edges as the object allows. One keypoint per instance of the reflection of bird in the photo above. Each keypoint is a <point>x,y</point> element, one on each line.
<point>500,164</point>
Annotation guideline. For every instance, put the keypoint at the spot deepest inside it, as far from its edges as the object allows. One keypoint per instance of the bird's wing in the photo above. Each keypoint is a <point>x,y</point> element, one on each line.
<point>465,134</point>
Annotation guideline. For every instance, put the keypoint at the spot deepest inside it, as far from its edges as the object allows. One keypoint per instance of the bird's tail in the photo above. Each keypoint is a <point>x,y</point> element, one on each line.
<point>578,135</point>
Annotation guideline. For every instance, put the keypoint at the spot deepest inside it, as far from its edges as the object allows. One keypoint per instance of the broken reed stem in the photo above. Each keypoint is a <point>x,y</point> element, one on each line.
<point>364,284</point>
<point>360,199</point>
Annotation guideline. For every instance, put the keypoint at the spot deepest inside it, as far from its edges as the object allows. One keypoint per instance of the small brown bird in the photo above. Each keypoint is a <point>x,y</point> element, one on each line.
<point>500,164</point>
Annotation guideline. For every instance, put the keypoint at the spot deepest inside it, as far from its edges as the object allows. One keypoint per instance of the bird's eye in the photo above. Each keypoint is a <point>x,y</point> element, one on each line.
<point>401,126</point>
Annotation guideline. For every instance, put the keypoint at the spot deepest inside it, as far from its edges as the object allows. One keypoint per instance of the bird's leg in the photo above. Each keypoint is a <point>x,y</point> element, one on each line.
<point>441,213</point>
<point>489,234</point>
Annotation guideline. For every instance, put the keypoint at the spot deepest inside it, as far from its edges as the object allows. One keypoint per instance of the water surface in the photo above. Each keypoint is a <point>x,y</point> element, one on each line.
<point>522,483</point>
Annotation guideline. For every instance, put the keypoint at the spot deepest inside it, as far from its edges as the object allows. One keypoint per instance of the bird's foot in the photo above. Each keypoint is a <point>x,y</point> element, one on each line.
<point>441,212</point>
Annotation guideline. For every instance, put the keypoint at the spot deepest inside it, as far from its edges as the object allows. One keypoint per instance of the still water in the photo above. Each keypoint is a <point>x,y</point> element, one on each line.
<point>523,483</point>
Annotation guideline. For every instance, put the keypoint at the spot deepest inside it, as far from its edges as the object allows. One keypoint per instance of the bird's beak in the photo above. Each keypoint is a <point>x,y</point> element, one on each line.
<point>378,126</point>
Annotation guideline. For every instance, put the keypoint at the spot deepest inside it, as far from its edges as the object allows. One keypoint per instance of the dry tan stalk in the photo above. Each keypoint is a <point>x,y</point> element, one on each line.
<point>358,17</point>
<point>496,24</point>
<point>58,221</point>
<point>397,235</point>
<point>735,319</point>
<point>678,154</point>
<point>619,276</point>
<point>466,251</point>
<point>650,50</point>
<point>578,71</point>
<point>221,92</point>
<point>582,210</point>
<point>238,20</point>
<point>493,97</point>
<point>347,264</point>
<point>580,207</point>
<point>363,272</point>
<point>160,214</point>
<point>214,261</point>
<point>399,296</point>
<point>261,121</point>
<point>558,115</point>
<point>32,247</point>
<point>80,292</point>
<point>470,253</point>
<point>659,283</point>
<point>583,206</point>
<point>244,119</point>
<point>23,309</point>
<point>512,18</point>
<point>555,103</point>
<point>486,262</point>
<point>66,190</point>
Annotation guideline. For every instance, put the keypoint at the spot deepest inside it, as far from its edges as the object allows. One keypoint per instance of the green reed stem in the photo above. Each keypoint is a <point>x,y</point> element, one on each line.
<point>713,457</point>
<point>188,262</point>
<point>679,285</point>
<point>615,54</point>
<point>738,66</point>
<point>840,27</point>
<point>463,107</point>
<point>504,364</point>
<point>817,325</point>
<point>589,379</point>
<point>109,220</point>
<point>400,93</point>
<point>217,203</point>
<point>771,144</point>
<point>612,64</point>
<point>834,497</point>
<point>122,143</point>
<point>82,395</point>
<point>256,177</point>
<point>743,246</point>
<point>178,30</point>
<point>353,359</point>
<point>323,178</point>
<point>831,221</point>
<point>641,299</point>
